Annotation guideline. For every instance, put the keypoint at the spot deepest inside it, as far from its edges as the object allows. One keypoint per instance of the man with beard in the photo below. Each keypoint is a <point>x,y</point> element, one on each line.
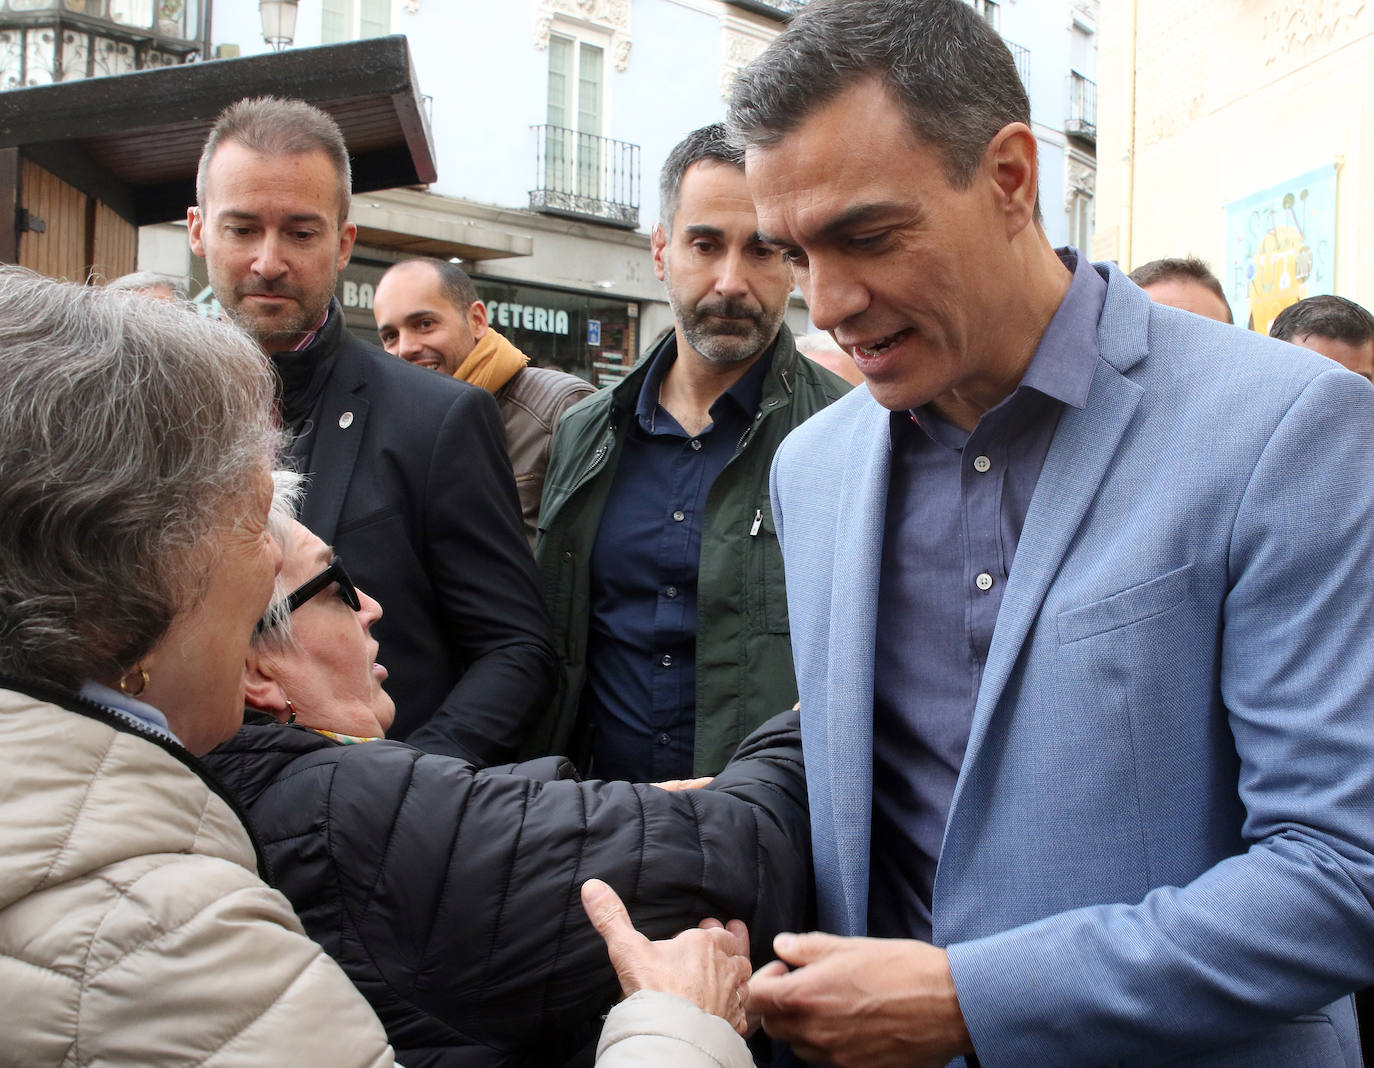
<point>467,643</point>
<point>657,552</point>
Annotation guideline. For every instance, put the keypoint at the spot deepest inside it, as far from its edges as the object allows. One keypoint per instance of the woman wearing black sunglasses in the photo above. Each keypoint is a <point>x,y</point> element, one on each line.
<point>450,894</point>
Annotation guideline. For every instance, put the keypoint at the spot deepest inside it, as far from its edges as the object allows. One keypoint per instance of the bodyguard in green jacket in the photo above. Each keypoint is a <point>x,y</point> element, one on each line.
<point>657,554</point>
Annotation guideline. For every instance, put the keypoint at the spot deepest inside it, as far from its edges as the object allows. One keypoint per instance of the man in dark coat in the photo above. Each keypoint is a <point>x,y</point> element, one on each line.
<point>440,542</point>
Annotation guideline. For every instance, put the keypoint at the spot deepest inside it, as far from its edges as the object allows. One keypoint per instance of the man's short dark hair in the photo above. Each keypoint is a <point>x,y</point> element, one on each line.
<point>950,72</point>
<point>1325,316</point>
<point>453,280</point>
<point>1181,269</point>
<point>710,142</point>
<point>272,126</point>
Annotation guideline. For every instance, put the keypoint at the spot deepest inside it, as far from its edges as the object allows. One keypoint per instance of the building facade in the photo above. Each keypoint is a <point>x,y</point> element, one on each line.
<point>551,119</point>
<point>1237,132</point>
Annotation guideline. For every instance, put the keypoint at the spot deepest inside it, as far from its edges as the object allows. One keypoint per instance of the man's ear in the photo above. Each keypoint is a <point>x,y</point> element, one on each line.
<point>348,233</point>
<point>658,241</point>
<point>477,319</point>
<point>261,690</point>
<point>195,231</point>
<point>1010,159</point>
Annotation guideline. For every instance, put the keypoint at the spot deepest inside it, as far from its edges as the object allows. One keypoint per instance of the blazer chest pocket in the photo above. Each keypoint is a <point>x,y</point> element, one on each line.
<point>1131,605</point>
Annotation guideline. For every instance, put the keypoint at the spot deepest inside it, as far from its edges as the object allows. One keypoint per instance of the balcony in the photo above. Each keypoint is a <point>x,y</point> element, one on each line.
<point>778,10</point>
<point>583,176</point>
<point>43,42</point>
<point>1082,118</point>
<point>1021,56</point>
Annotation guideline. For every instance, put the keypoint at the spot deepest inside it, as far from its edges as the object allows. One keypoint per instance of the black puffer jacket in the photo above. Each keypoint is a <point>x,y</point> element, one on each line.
<point>450,895</point>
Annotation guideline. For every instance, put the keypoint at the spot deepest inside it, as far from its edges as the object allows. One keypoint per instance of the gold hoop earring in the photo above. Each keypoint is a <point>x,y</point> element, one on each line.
<point>290,708</point>
<point>138,673</point>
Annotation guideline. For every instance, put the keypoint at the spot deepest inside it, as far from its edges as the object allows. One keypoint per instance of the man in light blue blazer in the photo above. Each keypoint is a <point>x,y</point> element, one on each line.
<point>1081,593</point>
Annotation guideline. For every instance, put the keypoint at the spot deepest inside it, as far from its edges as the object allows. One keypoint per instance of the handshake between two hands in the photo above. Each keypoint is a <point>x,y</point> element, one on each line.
<point>845,1001</point>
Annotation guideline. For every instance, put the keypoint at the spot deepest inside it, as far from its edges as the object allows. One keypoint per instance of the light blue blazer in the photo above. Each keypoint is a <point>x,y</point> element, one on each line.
<point>1161,844</point>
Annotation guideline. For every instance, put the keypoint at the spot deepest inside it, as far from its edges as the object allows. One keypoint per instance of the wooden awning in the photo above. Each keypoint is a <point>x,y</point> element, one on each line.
<point>133,140</point>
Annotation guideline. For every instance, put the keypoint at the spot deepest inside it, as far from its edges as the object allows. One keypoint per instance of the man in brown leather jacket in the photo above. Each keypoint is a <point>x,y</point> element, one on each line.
<point>428,314</point>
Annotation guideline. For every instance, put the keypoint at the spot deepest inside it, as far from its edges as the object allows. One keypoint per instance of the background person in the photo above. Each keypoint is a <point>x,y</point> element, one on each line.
<point>135,443</point>
<point>1080,622</point>
<point>658,557</point>
<point>150,284</point>
<point>448,894</point>
<point>428,313</point>
<point>1337,328</point>
<point>821,347</point>
<point>1185,283</point>
<point>440,541</point>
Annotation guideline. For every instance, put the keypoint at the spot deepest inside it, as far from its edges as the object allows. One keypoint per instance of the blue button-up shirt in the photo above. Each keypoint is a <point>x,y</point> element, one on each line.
<point>640,695</point>
<point>956,503</point>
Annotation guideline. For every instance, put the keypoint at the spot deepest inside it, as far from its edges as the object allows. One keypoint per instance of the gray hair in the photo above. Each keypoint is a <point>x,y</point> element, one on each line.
<point>950,72</point>
<point>274,629</point>
<point>272,126</point>
<point>129,431</point>
<point>143,281</point>
<point>708,143</point>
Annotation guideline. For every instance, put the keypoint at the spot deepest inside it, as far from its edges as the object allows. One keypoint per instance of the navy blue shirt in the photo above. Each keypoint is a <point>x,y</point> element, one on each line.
<point>956,503</point>
<point>640,695</point>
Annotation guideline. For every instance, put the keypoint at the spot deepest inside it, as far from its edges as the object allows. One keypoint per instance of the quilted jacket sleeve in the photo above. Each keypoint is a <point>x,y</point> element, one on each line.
<point>184,959</point>
<point>651,1029</point>
<point>467,900</point>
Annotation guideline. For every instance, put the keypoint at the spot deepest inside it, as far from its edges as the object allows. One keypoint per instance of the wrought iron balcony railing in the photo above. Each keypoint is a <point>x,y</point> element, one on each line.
<point>779,10</point>
<point>585,176</point>
<point>1082,117</point>
<point>1021,55</point>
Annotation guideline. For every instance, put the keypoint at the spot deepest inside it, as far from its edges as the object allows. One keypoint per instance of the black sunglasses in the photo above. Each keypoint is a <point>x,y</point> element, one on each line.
<point>333,573</point>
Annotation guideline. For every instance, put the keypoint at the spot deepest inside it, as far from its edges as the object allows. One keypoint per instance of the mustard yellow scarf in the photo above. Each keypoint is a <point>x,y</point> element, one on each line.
<point>492,363</point>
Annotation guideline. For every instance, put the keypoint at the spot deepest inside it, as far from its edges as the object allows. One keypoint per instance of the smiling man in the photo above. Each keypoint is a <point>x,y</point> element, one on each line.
<point>466,641</point>
<point>1078,621</point>
<point>657,553</point>
<point>428,314</point>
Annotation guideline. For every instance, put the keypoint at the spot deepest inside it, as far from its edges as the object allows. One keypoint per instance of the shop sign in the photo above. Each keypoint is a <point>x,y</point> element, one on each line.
<point>514,316</point>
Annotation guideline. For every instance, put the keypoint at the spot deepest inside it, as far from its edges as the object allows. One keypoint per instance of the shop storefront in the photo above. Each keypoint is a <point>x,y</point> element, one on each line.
<point>592,336</point>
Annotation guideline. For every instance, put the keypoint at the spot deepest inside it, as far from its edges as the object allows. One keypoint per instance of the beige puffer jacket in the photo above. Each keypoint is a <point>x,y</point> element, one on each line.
<point>133,926</point>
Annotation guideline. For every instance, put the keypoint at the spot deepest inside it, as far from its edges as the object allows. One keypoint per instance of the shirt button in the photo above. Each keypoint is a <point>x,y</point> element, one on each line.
<point>663,739</point>
<point>981,464</point>
<point>667,660</point>
<point>671,591</point>
<point>679,516</point>
<point>696,445</point>
<point>983,582</point>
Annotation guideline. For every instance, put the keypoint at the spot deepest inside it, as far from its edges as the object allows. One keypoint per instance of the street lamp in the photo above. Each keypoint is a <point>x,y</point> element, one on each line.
<point>278,22</point>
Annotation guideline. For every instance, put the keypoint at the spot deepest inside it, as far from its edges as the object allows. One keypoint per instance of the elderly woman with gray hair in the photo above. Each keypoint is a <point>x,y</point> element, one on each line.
<point>135,450</point>
<point>450,894</point>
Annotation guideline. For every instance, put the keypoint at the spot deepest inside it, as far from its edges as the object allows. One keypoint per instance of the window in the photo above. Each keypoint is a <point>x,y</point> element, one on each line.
<point>575,115</point>
<point>990,10</point>
<point>1081,220</point>
<point>352,20</point>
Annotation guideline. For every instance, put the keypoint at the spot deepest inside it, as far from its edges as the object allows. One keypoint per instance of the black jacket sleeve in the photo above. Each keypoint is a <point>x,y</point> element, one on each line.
<point>463,886</point>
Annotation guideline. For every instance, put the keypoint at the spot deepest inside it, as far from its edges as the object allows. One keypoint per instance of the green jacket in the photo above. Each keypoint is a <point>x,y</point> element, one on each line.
<point>744,670</point>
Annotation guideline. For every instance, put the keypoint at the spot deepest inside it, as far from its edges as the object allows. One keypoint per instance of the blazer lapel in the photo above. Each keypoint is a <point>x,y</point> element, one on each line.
<point>1080,455</point>
<point>855,578</point>
<point>343,418</point>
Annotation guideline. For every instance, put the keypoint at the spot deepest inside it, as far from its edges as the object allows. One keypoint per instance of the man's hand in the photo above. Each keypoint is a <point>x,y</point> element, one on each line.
<point>674,785</point>
<point>861,1001</point>
<point>709,966</point>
